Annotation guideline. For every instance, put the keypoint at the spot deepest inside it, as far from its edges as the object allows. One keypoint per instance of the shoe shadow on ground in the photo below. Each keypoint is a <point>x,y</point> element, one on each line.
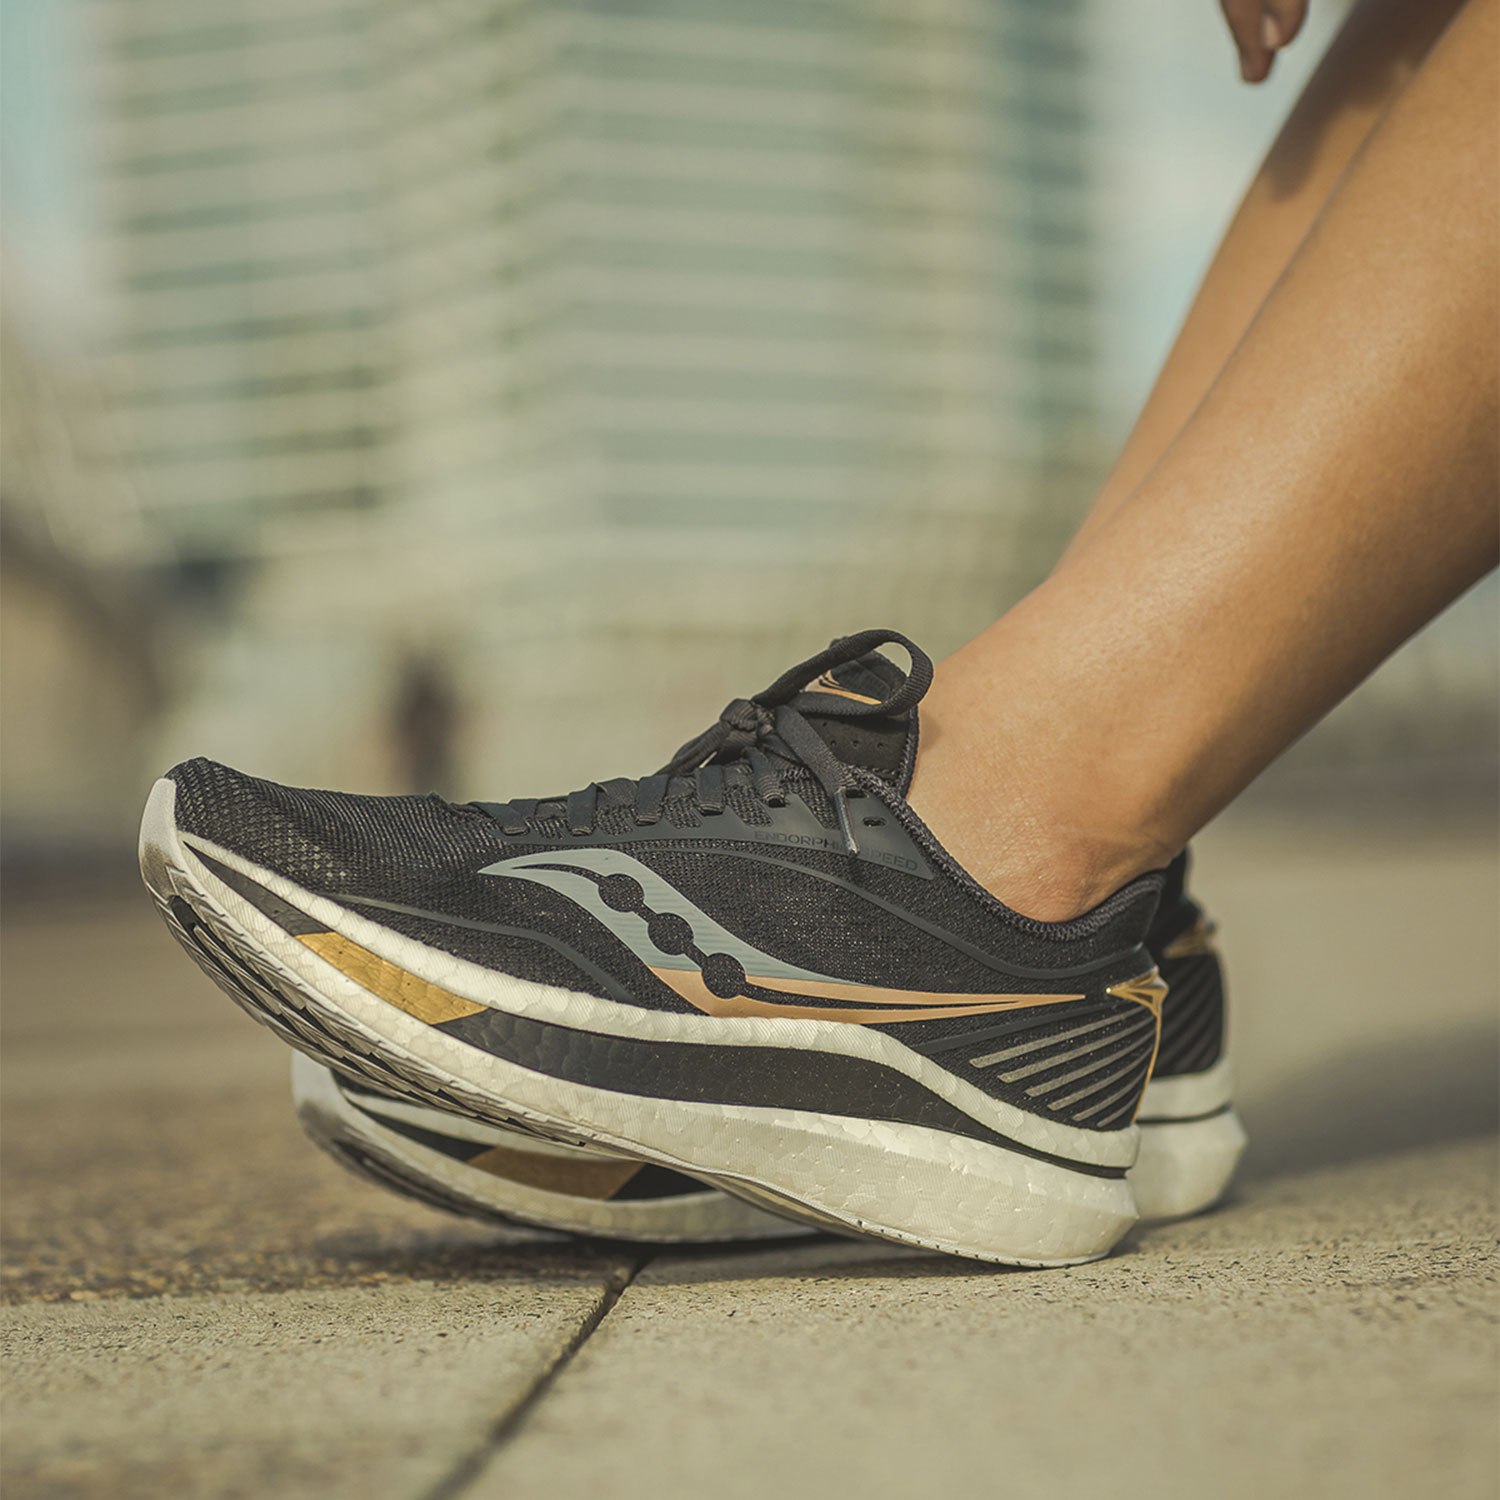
<point>1397,1096</point>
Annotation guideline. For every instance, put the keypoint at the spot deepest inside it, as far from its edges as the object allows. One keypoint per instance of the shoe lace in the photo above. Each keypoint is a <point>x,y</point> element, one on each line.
<point>754,742</point>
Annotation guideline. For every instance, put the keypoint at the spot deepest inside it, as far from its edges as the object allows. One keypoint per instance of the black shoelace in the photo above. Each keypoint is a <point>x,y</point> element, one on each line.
<point>753,743</point>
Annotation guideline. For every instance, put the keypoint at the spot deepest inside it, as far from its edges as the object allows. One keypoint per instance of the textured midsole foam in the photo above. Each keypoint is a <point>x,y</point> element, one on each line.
<point>1185,1166</point>
<point>1189,1097</point>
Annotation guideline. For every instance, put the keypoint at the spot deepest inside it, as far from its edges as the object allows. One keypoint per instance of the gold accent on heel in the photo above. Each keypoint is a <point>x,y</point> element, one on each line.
<point>1199,938</point>
<point>1148,989</point>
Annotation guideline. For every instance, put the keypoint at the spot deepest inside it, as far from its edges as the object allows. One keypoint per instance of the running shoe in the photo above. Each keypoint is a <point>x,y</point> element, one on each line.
<point>756,967</point>
<point>483,1171</point>
<point>1191,1139</point>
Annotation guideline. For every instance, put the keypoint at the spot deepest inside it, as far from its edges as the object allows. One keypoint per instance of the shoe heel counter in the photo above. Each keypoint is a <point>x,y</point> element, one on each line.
<point>1084,1063</point>
<point>1192,1026</point>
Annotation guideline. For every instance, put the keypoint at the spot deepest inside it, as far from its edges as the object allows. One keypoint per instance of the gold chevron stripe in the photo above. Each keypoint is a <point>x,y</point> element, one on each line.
<point>867,1002</point>
<point>427,1002</point>
<point>1148,989</point>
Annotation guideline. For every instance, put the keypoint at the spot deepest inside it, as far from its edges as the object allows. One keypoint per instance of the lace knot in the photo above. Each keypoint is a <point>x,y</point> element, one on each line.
<point>741,725</point>
<point>765,733</point>
<point>746,721</point>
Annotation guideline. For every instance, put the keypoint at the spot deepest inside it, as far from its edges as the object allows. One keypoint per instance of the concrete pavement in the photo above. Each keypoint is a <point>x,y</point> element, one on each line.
<point>204,1306</point>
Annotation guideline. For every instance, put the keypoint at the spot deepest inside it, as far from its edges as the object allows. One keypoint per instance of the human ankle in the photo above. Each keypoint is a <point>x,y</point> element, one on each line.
<point>1063,881</point>
<point>1047,872</point>
<point>1041,849</point>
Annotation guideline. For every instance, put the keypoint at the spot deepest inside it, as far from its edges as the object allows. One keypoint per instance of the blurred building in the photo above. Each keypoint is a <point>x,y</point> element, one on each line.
<point>607,353</point>
<point>80,678</point>
<point>481,393</point>
<point>241,208</point>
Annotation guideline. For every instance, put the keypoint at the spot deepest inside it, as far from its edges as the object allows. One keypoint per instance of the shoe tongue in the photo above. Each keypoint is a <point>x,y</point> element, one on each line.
<point>875,742</point>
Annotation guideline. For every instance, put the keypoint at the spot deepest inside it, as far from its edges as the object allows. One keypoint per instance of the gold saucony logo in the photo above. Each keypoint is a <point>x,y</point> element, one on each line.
<point>827,683</point>
<point>1148,989</point>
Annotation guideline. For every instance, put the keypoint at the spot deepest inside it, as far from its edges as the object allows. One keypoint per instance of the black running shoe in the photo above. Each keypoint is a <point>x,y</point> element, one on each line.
<point>756,967</point>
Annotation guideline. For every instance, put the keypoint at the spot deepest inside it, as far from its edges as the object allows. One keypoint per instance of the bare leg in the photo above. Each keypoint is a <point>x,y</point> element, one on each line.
<point>1334,490</point>
<point>1374,55</point>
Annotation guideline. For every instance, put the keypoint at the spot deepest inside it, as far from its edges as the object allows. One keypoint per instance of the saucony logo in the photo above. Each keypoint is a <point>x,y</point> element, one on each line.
<point>828,683</point>
<point>720,974</point>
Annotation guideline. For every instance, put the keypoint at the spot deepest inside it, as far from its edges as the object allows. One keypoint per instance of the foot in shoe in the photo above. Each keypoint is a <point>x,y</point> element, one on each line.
<point>756,967</point>
<point>1191,1138</point>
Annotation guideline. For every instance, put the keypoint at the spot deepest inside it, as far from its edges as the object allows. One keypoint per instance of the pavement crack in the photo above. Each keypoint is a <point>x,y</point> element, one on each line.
<point>510,1421</point>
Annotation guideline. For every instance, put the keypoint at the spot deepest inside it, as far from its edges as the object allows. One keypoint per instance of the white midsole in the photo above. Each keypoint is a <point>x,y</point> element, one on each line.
<point>1191,1142</point>
<point>1190,1096</point>
<point>1185,1167</point>
<point>311,1085</point>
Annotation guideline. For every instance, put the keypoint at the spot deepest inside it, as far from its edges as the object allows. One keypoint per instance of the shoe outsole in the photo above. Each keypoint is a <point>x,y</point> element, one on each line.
<point>909,1184</point>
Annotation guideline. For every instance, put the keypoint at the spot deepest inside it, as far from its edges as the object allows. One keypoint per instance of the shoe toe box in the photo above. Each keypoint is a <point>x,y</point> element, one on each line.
<point>325,840</point>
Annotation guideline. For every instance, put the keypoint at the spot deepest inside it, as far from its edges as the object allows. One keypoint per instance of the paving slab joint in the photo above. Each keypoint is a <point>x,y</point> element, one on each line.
<point>509,1422</point>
